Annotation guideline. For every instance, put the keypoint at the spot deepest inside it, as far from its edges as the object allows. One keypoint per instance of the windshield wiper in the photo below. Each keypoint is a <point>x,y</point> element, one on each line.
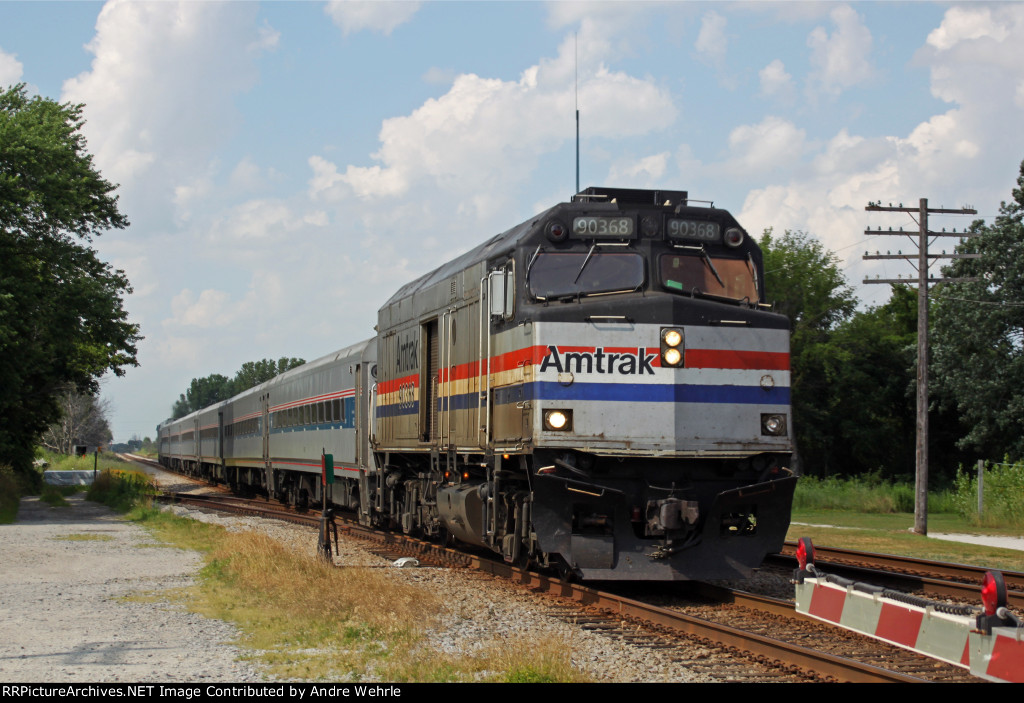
<point>707,260</point>
<point>530,265</point>
<point>753,271</point>
<point>585,262</point>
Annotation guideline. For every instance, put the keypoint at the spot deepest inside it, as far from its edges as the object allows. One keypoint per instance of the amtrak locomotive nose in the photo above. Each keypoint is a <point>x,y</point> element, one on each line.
<point>601,389</point>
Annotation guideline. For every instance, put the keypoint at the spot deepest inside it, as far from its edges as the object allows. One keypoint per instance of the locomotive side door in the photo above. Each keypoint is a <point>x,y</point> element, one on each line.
<point>429,382</point>
<point>509,416</point>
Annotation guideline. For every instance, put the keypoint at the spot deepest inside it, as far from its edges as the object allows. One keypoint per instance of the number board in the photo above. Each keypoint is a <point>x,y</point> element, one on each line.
<point>699,230</point>
<point>603,227</point>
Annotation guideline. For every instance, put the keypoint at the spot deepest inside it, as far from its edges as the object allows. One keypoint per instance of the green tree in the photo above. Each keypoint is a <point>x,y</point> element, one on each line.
<point>62,319</point>
<point>978,347</point>
<point>201,393</point>
<point>206,391</point>
<point>253,373</point>
<point>868,364</point>
<point>805,283</point>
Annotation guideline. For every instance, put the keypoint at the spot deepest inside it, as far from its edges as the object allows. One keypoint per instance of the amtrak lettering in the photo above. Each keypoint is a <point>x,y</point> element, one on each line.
<point>408,357</point>
<point>599,361</point>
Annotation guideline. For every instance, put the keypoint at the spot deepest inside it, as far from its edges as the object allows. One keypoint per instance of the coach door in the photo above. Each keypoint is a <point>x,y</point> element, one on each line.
<point>265,427</point>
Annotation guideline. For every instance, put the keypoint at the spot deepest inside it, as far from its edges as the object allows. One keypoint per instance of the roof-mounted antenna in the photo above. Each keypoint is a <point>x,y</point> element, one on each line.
<point>576,35</point>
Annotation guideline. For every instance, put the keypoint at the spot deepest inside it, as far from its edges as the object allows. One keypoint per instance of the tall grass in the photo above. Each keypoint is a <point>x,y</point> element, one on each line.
<point>67,462</point>
<point>1002,491</point>
<point>868,493</point>
<point>122,490</point>
<point>309,620</point>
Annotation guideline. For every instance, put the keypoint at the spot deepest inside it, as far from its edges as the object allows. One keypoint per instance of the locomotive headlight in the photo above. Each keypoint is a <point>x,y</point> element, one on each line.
<point>556,231</point>
<point>773,425</point>
<point>671,346</point>
<point>558,420</point>
<point>733,236</point>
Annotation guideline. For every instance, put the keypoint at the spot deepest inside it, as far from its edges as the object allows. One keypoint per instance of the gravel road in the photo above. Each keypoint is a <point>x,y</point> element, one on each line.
<point>64,616</point>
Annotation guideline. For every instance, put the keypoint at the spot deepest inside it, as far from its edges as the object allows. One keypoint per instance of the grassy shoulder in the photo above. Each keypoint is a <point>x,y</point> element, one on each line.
<point>873,515</point>
<point>14,486</point>
<point>307,620</point>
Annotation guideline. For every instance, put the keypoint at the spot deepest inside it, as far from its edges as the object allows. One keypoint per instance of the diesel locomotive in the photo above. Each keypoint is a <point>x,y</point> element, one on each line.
<point>602,389</point>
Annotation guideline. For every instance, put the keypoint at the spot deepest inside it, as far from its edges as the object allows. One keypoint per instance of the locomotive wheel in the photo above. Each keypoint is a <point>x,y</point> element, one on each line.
<point>444,536</point>
<point>565,572</point>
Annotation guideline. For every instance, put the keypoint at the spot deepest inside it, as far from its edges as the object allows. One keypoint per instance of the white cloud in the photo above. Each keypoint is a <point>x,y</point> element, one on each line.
<point>840,60</point>
<point>264,220</point>
<point>642,173</point>
<point>487,134</point>
<point>10,69</point>
<point>374,15</point>
<point>161,85</point>
<point>977,65</point>
<point>775,82</point>
<point>206,311</point>
<point>965,24</point>
<point>759,148</point>
<point>712,42</point>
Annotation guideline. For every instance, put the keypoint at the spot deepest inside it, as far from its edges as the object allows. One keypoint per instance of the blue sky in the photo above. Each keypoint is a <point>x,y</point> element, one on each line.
<point>286,166</point>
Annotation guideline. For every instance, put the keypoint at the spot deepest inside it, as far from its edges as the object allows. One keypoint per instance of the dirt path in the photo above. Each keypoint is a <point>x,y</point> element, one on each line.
<point>63,612</point>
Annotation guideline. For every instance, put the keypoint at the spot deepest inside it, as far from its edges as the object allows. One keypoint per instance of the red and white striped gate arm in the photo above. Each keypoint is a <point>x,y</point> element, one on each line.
<point>989,642</point>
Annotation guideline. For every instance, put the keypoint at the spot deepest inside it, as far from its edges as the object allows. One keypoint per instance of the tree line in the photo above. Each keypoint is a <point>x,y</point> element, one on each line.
<point>854,372</point>
<point>214,388</point>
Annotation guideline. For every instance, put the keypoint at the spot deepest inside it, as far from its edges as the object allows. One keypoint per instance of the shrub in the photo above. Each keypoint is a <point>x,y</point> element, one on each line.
<point>10,495</point>
<point>867,493</point>
<point>122,490</point>
<point>1003,494</point>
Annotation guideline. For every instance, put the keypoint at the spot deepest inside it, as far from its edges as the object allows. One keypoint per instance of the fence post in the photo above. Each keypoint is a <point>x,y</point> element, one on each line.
<point>981,478</point>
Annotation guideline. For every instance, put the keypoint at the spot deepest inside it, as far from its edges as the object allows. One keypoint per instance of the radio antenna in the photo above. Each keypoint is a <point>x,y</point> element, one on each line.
<point>577,75</point>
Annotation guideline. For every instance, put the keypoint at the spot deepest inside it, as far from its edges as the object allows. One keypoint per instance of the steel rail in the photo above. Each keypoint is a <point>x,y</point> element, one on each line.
<point>778,652</point>
<point>940,578</point>
<point>821,663</point>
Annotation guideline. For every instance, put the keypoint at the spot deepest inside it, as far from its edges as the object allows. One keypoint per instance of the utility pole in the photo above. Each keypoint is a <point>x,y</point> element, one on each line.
<point>923,279</point>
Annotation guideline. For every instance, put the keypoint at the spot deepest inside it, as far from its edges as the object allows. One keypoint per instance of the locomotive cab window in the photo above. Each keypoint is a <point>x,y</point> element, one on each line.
<point>558,274</point>
<point>708,275</point>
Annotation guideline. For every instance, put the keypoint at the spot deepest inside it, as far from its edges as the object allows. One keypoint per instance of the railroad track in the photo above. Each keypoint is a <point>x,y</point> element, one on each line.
<point>958,581</point>
<point>735,635</point>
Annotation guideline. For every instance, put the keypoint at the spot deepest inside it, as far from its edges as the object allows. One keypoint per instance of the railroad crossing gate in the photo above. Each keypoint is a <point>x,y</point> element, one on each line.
<point>988,641</point>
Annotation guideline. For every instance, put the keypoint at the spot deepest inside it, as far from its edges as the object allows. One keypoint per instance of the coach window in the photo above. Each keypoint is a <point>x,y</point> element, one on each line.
<point>338,417</point>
